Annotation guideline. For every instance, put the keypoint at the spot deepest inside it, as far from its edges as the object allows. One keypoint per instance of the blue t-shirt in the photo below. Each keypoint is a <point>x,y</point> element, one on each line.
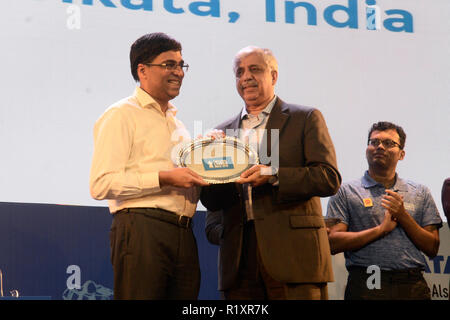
<point>358,205</point>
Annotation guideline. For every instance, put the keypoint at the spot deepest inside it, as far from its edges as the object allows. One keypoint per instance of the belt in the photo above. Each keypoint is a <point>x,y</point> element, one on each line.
<point>162,215</point>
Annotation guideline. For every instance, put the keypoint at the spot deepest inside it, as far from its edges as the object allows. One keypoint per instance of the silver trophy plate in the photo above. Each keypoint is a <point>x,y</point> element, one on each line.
<point>217,160</point>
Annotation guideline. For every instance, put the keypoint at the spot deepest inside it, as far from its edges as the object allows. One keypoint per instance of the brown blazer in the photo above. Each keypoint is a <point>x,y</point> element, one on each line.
<point>289,225</point>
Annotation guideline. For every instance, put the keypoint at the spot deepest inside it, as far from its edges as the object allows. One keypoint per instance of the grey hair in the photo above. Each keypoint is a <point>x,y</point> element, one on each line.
<point>267,55</point>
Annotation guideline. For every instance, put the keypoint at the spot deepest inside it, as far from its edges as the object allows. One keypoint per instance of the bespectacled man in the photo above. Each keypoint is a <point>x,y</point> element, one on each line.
<point>153,249</point>
<point>385,222</point>
<point>269,225</point>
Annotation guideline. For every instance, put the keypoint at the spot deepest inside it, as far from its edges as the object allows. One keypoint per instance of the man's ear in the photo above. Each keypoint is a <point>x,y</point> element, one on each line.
<point>141,71</point>
<point>402,154</point>
<point>274,74</point>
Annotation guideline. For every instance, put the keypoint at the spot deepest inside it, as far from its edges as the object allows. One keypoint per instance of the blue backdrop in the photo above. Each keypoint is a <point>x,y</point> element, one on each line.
<point>39,242</point>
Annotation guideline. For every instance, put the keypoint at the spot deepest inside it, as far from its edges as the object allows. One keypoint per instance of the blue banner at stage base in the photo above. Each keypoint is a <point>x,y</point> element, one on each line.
<point>61,252</point>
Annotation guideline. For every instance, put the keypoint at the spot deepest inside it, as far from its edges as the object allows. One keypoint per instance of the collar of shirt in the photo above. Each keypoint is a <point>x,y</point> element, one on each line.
<point>146,101</point>
<point>265,112</point>
<point>368,182</point>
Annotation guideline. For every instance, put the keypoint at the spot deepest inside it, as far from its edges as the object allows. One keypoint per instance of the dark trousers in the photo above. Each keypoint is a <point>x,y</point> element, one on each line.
<point>394,285</point>
<point>153,259</point>
<point>254,283</point>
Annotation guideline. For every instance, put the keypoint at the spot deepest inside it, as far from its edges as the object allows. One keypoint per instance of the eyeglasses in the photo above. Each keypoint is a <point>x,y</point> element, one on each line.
<point>170,65</point>
<point>253,70</point>
<point>387,143</point>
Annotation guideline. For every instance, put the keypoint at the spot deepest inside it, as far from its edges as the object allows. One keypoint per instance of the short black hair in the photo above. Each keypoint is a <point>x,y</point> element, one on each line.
<point>384,125</point>
<point>148,47</point>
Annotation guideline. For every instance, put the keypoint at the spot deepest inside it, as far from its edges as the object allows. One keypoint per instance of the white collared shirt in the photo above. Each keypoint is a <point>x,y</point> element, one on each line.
<point>252,127</point>
<point>133,141</point>
<point>252,132</point>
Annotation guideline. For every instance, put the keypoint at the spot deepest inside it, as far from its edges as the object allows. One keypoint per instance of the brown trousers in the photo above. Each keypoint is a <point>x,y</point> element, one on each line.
<point>254,283</point>
<point>153,259</point>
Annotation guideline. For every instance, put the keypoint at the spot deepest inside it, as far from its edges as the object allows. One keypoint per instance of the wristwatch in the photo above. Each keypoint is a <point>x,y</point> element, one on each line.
<point>274,177</point>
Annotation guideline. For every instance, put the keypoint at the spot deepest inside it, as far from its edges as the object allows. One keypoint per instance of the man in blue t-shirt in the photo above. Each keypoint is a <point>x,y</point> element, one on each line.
<point>385,224</point>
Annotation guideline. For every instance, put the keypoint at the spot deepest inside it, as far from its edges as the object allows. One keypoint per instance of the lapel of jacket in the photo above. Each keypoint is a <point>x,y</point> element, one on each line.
<point>277,121</point>
<point>236,124</point>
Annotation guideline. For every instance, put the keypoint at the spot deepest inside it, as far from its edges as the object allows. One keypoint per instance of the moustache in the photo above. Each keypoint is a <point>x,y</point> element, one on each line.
<point>247,84</point>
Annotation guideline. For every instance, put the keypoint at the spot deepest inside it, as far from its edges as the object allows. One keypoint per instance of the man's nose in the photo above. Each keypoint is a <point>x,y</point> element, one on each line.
<point>178,71</point>
<point>381,146</point>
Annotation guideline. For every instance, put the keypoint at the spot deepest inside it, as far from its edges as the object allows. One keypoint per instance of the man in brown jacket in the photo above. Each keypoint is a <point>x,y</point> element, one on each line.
<point>269,225</point>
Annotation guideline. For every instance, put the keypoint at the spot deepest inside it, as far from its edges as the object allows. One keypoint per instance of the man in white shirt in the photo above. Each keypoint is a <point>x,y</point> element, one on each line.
<point>153,249</point>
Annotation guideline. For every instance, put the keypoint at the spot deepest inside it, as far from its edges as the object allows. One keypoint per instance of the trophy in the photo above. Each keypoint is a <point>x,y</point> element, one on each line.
<point>220,160</point>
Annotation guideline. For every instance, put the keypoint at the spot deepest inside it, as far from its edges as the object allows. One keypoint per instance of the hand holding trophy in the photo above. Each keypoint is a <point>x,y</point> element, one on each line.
<point>217,158</point>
